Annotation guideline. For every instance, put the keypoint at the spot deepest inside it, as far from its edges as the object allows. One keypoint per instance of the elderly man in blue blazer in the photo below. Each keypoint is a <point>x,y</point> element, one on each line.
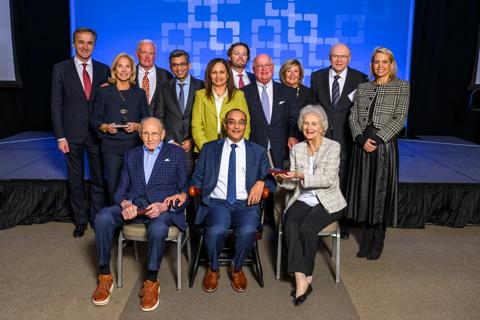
<point>152,182</point>
<point>231,174</point>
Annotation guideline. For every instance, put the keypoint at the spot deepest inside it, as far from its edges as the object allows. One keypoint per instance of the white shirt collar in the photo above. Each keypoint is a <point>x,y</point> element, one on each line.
<point>80,62</point>
<point>266,85</point>
<point>240,144</point>
<point>342,74</point>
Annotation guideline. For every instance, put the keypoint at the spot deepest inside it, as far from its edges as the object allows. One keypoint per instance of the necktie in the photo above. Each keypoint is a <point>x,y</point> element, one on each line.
<point>181,97</point>
<point>265,103</point>
<point>232,183</point>
<point>146,86</point>
<point>87,82</point>
<point>241,84</point>
<point>335,91</point>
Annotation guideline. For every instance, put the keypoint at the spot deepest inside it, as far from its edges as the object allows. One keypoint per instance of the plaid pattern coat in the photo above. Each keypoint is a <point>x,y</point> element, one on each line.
<point>391,107</point>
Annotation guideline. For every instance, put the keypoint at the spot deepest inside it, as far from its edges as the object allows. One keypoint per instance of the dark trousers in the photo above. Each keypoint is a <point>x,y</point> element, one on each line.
<point>113,167</point>
<point>109,218</point>
<point>83,208</point>
<point>302,225</point>
<point>222,216</point>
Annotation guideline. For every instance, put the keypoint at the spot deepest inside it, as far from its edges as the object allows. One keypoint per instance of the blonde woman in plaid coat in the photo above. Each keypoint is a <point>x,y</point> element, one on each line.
<point>377,116</point>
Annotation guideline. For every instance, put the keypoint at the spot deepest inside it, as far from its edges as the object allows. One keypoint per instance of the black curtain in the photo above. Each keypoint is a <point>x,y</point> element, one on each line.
<point>443,56</point>
<point>42,38</point>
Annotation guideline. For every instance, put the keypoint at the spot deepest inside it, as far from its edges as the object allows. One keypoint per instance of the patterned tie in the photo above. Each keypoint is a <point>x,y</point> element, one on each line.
<point>146,86</point>
<point>241,84</point>
<point>87,82</point>
<point>335,91</point>
<point>265,103</point>
<point>232,183</point>
<point>181,97</point>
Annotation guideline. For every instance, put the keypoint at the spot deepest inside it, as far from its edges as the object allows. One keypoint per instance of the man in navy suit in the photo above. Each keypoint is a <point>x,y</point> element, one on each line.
<point>153,179</point>
<point>321,92</point>
<point>74,83</point>
<point>176,102</point>
<point>231,174</point>
<point>149,76</point>
<point>238,57</point>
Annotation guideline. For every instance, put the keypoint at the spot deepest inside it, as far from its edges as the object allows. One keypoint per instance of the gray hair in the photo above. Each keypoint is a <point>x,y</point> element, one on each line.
<point>316,110</point>
<point>139,44</point>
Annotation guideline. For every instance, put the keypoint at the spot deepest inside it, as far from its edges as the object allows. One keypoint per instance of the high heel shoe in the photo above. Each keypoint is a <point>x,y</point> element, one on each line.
<point>301,299</point>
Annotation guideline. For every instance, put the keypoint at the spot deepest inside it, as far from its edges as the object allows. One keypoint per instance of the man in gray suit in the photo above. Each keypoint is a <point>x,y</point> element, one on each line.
<point>149,76</point>
<point>333,88</point>
<point>175,104</point>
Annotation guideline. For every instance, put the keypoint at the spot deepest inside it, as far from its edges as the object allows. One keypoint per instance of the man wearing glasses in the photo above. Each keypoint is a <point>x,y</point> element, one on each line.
<point>238,57</point>
<point>231,174</point>
<point>333,88</point>
<point>176,102</point>
<point>152,190</point>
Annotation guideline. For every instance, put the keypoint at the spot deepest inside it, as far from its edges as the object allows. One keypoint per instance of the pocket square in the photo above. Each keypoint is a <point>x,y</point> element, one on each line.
<point>282,102</point>
<point>166,160</point>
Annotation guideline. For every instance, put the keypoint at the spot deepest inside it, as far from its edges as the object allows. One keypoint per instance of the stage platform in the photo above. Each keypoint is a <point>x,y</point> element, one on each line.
<point>439,181</point>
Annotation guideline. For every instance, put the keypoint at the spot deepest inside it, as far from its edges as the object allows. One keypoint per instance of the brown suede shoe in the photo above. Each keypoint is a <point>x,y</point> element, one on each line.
<point>210,281</point>
<point>101,295</point>
<point>149,295</point>
<point>239,280</point>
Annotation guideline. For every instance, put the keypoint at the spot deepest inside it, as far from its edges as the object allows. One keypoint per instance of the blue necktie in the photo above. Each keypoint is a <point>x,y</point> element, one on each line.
<point>232,183</point>
<point>266,103</point>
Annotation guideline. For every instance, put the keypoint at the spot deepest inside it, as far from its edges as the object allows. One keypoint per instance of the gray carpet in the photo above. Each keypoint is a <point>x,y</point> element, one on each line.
<point>430,273</point>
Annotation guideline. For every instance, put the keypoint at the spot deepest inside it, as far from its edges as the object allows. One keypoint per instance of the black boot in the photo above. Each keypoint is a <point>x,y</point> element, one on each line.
<point>366,242</point>
<point>378,240</point>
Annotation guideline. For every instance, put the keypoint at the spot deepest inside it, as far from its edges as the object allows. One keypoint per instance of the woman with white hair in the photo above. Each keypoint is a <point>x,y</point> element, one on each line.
<point>317,200</point>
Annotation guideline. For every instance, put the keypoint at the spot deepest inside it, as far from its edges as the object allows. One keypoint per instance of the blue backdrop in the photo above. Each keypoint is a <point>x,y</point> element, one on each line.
<point>282,28</point>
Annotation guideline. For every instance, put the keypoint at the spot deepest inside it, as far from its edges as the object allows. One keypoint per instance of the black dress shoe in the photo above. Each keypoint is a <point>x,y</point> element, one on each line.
<point>344,235</point>
<point>301,299</point>
<point>79,230</point>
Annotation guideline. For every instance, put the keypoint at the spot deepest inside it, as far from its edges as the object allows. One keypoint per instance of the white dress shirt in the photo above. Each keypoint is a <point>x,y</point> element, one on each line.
<point>220,191</point>
<point>79,66</point>
<point>236,78</point>
<point>152,80</point>
<point>341,80</point>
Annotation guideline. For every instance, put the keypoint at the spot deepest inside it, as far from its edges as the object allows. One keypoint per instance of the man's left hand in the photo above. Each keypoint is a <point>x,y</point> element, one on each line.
<point>187,145</point>
<point>172,200</point>
<point>155,209</point>
<point>291,142</point>
<point>132,127</point>
<point>255,194</point>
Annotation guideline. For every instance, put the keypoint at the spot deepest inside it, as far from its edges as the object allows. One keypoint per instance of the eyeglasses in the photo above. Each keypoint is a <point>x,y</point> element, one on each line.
<point>176,65</point>
<point>341,57</point>
<point>264,66</point>
<point>240,123</point>
<point>150,134</point>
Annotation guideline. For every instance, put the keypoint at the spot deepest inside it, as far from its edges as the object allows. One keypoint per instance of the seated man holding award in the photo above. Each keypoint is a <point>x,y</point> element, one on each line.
<point>152,190</point>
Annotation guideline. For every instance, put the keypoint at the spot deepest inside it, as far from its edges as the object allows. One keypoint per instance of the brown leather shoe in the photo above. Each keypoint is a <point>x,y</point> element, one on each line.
<point>149,295</point>
<point>101,295</point>
<point>239,280</point>
<point>210,281</point>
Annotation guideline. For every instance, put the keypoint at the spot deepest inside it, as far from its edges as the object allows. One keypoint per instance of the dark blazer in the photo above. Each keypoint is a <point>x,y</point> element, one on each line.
<point>107,110</point>
<point>283,123</point>
<point>339,129</point>
<point>303,96</point>
<point>162,77</point>
<point>168,177</point>
<point>70,110</point>
<point>177,124</point>
<point>207,169</point>
<point>251,77</point>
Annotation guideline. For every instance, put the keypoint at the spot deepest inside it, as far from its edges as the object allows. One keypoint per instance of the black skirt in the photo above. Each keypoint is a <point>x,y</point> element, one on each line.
<point>372,192</point>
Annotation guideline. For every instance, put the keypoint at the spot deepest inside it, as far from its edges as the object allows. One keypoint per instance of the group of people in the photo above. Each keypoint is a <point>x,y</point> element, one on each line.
<point>151,135</point>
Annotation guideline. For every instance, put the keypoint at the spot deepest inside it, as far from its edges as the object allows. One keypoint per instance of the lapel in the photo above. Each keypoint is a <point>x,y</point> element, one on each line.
<point>326,86</point>
<point>347,86</point>
<point>258,101</point>
<point>250,163</point>
<point>162,156</point>
<point>218,158</point>
<point>173,95</point>
<point>76,80</point>
<point>276,94</point>
<point>191,95</point>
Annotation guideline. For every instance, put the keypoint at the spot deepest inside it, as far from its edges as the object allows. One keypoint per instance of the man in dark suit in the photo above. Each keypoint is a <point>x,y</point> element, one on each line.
<point>231,174</point>
<point>333,88</point>
<point>74,83</point>
<point>149,76</point>
<point>238,57</point>
<point>176,102</point>
<point>152,190</point>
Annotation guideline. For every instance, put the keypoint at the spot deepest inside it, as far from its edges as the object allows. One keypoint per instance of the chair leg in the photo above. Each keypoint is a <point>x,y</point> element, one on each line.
<point>337,257</point>
<point>179,261</point>
<point>279,255</point>
<point>135,251</point>
<point>334,247</point>
<point>195,263</point>
<point>258,264</point>
<point>119,260</point>
<point>189,245</point>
